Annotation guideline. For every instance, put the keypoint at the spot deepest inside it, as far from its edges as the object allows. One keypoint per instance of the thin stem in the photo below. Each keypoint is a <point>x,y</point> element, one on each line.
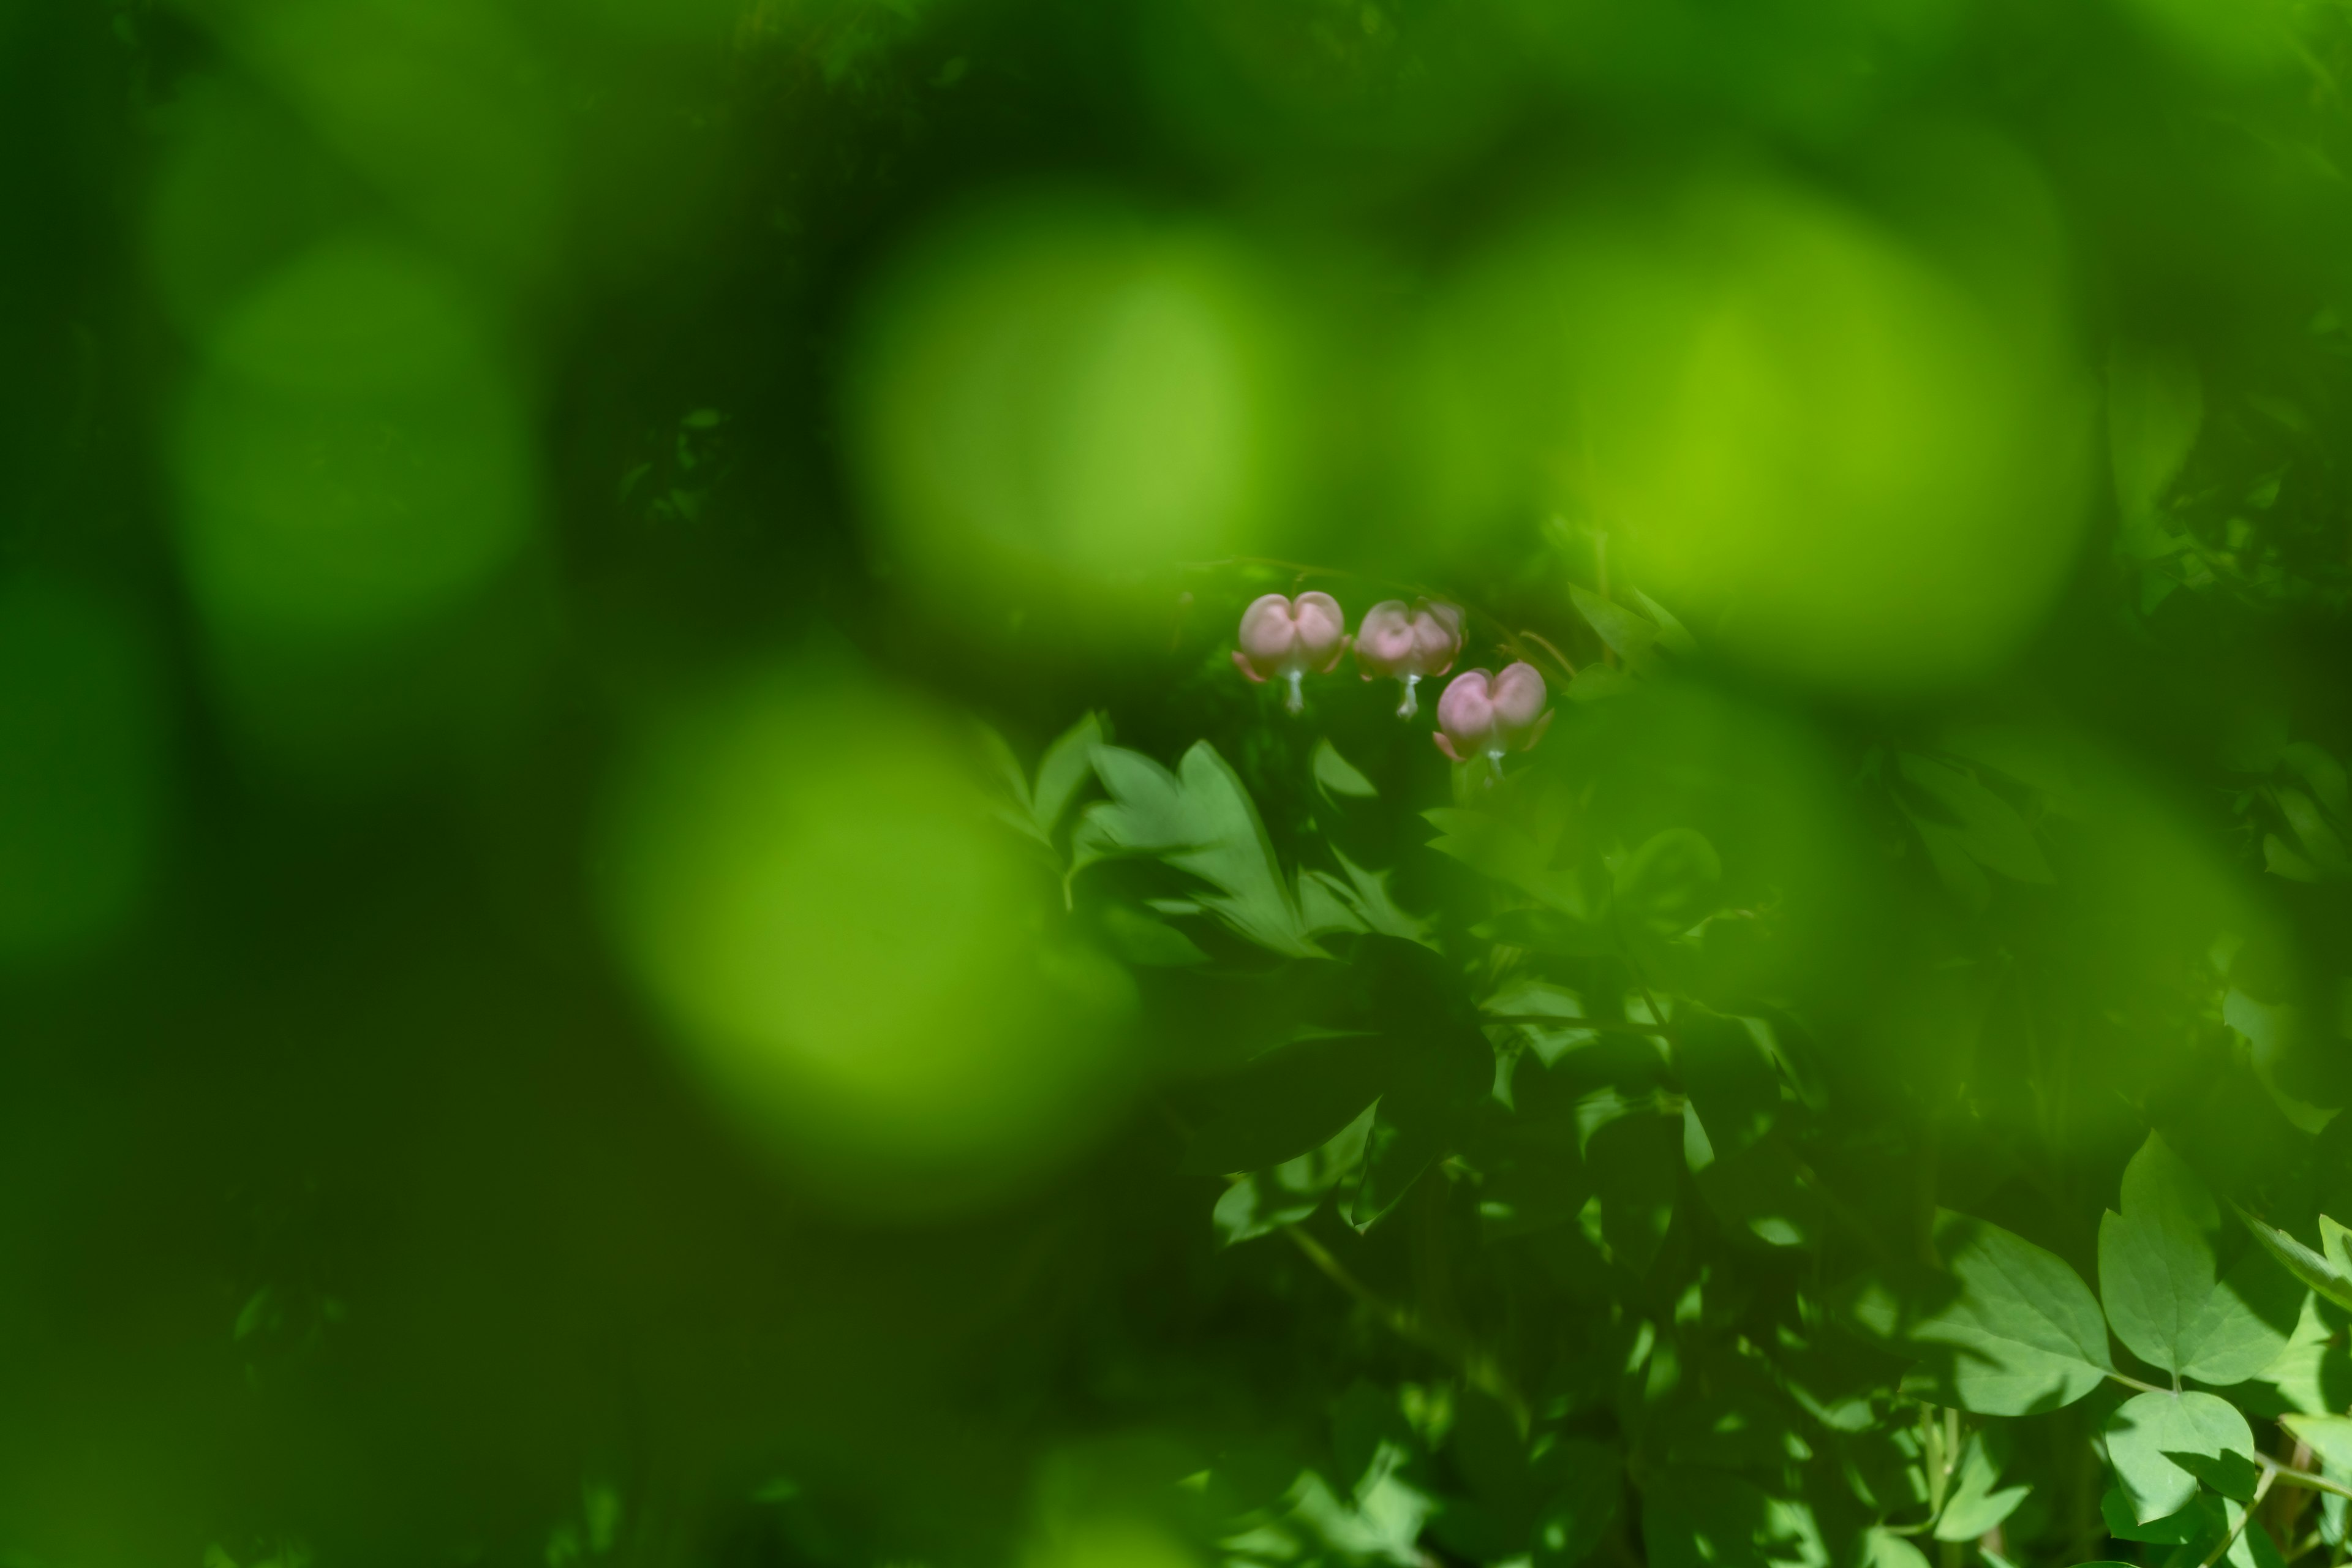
<point>2130,1381</point>
<point>2262,1490</point>
<point>1543,643</point>
<point>2273,1471</point>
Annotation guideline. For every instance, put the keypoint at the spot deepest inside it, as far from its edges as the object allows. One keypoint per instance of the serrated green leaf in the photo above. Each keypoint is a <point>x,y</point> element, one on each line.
<point>1488,844</point>
<point>1200,821</point>
<point>2150,1436</point>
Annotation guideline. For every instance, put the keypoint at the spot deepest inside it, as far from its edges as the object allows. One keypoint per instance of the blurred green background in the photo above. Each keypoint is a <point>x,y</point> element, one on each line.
<point>517,1043</point>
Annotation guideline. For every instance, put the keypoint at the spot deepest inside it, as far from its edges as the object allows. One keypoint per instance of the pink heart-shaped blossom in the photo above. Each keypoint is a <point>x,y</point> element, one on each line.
<point>1488,715</point>
<point>1408,645</point>
<point>1288,638</point>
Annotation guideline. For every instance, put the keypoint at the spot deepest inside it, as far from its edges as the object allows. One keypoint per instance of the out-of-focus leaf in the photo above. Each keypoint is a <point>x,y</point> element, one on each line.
<point>1488,844</point>
<point>1365,898</point>
<point>1637,1164</point>
<point>1672,634</point>
<point>1338,777</point>
<point>1288,1102</point>
<point>1989,828</point>
<point>1596,681</point>
<point>1627,635</point>
<point>2323,775</point>
<point>1580,1481</point>
<point>1066,763</point>
<point>1668,884</point>
<point>2155,406</point>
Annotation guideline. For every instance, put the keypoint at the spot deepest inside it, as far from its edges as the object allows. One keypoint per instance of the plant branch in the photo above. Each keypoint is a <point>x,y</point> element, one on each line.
<point>2273,1471</point>
<point>2262,1489</point>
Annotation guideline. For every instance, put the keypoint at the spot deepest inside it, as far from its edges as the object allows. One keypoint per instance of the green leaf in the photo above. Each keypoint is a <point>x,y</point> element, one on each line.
<point>2324,774</point>
<point>1288,1102</point>
<point>1488,844</point>
<point>1339,776</point>
<point>1265,1201</point>
<point>1672,633</point>
<point>2330,1436</point>
<point>1200,821</point>
<point>1366,899</point>
<point>1669,883</point>
<point>2150,1436</point>
<point>1729,1077</point>
<point>1627,635</point>
<point>1978,1501</point>
<point>2172,1530</point>
<point>2015,1332</point>
<point>2313,1375</point>
<point>1153,943</point>
<point>1066,763</point>
<point>2314,1269</point>
<point>2248,1321</point>
<point>2156,1258</point>
<point>1989,827</point>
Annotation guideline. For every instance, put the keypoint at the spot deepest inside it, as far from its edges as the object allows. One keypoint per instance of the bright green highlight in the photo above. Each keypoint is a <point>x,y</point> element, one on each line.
<point>809,884</point>
<point>1060,388</point>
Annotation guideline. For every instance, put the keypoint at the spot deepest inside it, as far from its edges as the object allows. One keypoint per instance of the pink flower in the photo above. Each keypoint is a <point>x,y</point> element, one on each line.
<point>1483,715</point>
<point>1289,638</point>
<point>1406,646</point>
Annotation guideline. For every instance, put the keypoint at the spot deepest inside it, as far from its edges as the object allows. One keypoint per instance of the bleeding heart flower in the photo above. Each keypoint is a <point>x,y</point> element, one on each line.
<point>1289,638</point>
<point>1407,645</point>
<point>1483,715</point>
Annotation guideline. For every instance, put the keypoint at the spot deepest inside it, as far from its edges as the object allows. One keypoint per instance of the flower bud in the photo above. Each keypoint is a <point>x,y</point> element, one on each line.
<point>1407,646</point>
<point>1490,715</point>
<point>1289,637</point>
